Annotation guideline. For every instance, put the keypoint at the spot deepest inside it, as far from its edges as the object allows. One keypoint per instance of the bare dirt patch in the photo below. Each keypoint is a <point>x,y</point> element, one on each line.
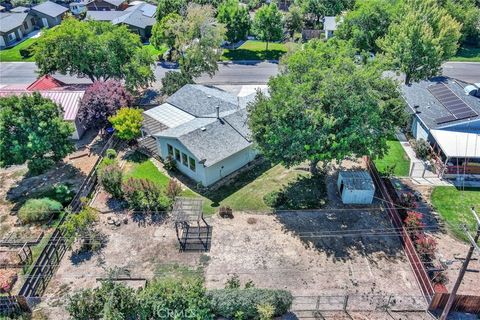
<point>288,251</point>
<point>145,247</point>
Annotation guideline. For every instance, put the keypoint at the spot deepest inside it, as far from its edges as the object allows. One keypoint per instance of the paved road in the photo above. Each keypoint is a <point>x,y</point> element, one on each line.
<point>465,71</point>
<point>229,73</point>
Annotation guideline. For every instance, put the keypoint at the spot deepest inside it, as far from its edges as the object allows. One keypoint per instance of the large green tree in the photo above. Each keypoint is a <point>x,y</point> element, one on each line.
<point>166,7</point>
<point>236,19</point>
<point>315,10</point>
<point>423,37</point>
<point>468,14</point>
<point>324,105</point>
<point>32,129</point>
<point>267,24</point>
<point>199,38</point>
<point>97,50</point>
<point>165,31</point>
<point>294,20</point>
<point>367,22</point>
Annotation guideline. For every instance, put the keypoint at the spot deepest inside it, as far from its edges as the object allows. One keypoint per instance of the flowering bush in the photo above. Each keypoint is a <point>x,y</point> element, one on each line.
<point>413,222</point>
<point>426,246</point>
<point>407,200</point>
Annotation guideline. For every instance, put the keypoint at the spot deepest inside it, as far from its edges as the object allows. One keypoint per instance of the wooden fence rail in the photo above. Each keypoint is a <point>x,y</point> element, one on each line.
<point>45,266</point>
<point>415,262</point>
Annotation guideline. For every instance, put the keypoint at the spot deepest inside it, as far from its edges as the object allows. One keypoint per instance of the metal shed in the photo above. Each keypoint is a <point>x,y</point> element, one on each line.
<point>355,187</point>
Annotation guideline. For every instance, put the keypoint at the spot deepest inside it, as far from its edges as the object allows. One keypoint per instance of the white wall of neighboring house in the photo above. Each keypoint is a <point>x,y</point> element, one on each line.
<point>2,42</point>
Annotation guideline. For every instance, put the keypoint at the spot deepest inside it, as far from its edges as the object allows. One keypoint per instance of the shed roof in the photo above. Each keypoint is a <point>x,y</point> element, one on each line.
<point>458,144</point>
<point>50,8</point>
<point>45,82</point>
<point>357,180</point>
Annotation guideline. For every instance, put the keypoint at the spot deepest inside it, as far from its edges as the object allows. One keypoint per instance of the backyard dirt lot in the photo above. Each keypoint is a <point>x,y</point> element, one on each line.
<point>286,251</point>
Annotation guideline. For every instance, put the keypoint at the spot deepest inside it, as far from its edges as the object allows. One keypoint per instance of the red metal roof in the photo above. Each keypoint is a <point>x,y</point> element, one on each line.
<point>46,82</point>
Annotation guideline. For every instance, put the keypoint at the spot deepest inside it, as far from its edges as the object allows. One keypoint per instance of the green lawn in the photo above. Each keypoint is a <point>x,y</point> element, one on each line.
<point>454,206</point>
<point>255,50</point>
<point>13,54</point>
<point>143,168</point>
<point>246,192</point>
<point>395,161</point>
<point>467,54</point>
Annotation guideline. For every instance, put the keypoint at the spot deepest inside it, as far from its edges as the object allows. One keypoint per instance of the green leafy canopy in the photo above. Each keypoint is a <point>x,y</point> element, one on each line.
<point>325,106</point>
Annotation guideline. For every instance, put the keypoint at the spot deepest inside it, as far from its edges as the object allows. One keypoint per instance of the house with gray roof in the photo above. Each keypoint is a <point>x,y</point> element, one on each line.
<point>139,18</point>
<point>204,129</point>
<point>446,113</point>
<point>14,26</point>
<point>106,5</point>
<point>49,14</point>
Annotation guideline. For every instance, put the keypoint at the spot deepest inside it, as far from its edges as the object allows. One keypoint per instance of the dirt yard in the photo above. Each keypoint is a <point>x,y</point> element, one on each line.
<point>450,250</point>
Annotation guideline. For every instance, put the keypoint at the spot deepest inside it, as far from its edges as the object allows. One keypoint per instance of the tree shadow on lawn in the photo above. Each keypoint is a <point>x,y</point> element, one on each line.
<point>244,178</point>
<point>343,234</point>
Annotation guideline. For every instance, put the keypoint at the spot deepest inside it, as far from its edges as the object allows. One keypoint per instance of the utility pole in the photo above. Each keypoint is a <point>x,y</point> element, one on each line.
<point>473,247</point>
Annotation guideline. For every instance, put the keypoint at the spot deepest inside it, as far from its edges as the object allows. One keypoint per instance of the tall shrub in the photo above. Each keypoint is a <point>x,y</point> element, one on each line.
<point>111,178</point>
<point>102,100</point>
<point>143,194</point>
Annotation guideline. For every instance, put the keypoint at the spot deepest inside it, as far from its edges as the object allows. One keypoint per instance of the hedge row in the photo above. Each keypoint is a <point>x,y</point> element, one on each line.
<point>228,302</point>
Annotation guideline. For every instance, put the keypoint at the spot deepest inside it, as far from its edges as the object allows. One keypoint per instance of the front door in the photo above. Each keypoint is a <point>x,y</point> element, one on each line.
<point>45,22</point>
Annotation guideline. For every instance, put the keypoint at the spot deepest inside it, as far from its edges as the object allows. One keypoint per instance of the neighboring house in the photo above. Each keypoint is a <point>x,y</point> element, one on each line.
<point>78,7</point>
<point>330,25</point>
<point>107,5</point>
<point>446,113</point>
<point>14,26</point>
<point>203,129</point>
<point>66,96</point>
<point>139,18</point>
<point>49,14</point>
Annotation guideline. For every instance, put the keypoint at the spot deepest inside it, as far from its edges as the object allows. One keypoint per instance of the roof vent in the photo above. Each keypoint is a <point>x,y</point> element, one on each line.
<point>218,112</point>
<point>203,128</point>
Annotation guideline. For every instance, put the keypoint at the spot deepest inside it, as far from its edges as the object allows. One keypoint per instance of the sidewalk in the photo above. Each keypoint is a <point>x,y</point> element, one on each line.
<point>418,173</point>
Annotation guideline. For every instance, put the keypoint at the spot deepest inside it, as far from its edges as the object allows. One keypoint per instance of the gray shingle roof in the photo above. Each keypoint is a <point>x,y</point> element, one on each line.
<point>202,101</point>
<point>417,94</point>
<point>116,3</point>
<point>139,16</point>
<point>50,9</point>
<point>208,138</point>
<point>20,9</point>
<point>10,21</point>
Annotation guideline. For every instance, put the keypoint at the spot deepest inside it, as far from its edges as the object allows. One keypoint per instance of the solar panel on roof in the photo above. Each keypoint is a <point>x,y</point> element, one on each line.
<point>456,106</point>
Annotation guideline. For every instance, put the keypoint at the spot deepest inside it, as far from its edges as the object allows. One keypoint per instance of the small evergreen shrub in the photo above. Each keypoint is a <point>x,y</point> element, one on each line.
<point>230,302</point>
<point>111,178</point>
<point>265,311</point>
<point>170,164</point>
<point>37,210</point>
<point>28,51</point>
<point>61,193</point>
<point>111,154</point>
<point>421,148</point>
